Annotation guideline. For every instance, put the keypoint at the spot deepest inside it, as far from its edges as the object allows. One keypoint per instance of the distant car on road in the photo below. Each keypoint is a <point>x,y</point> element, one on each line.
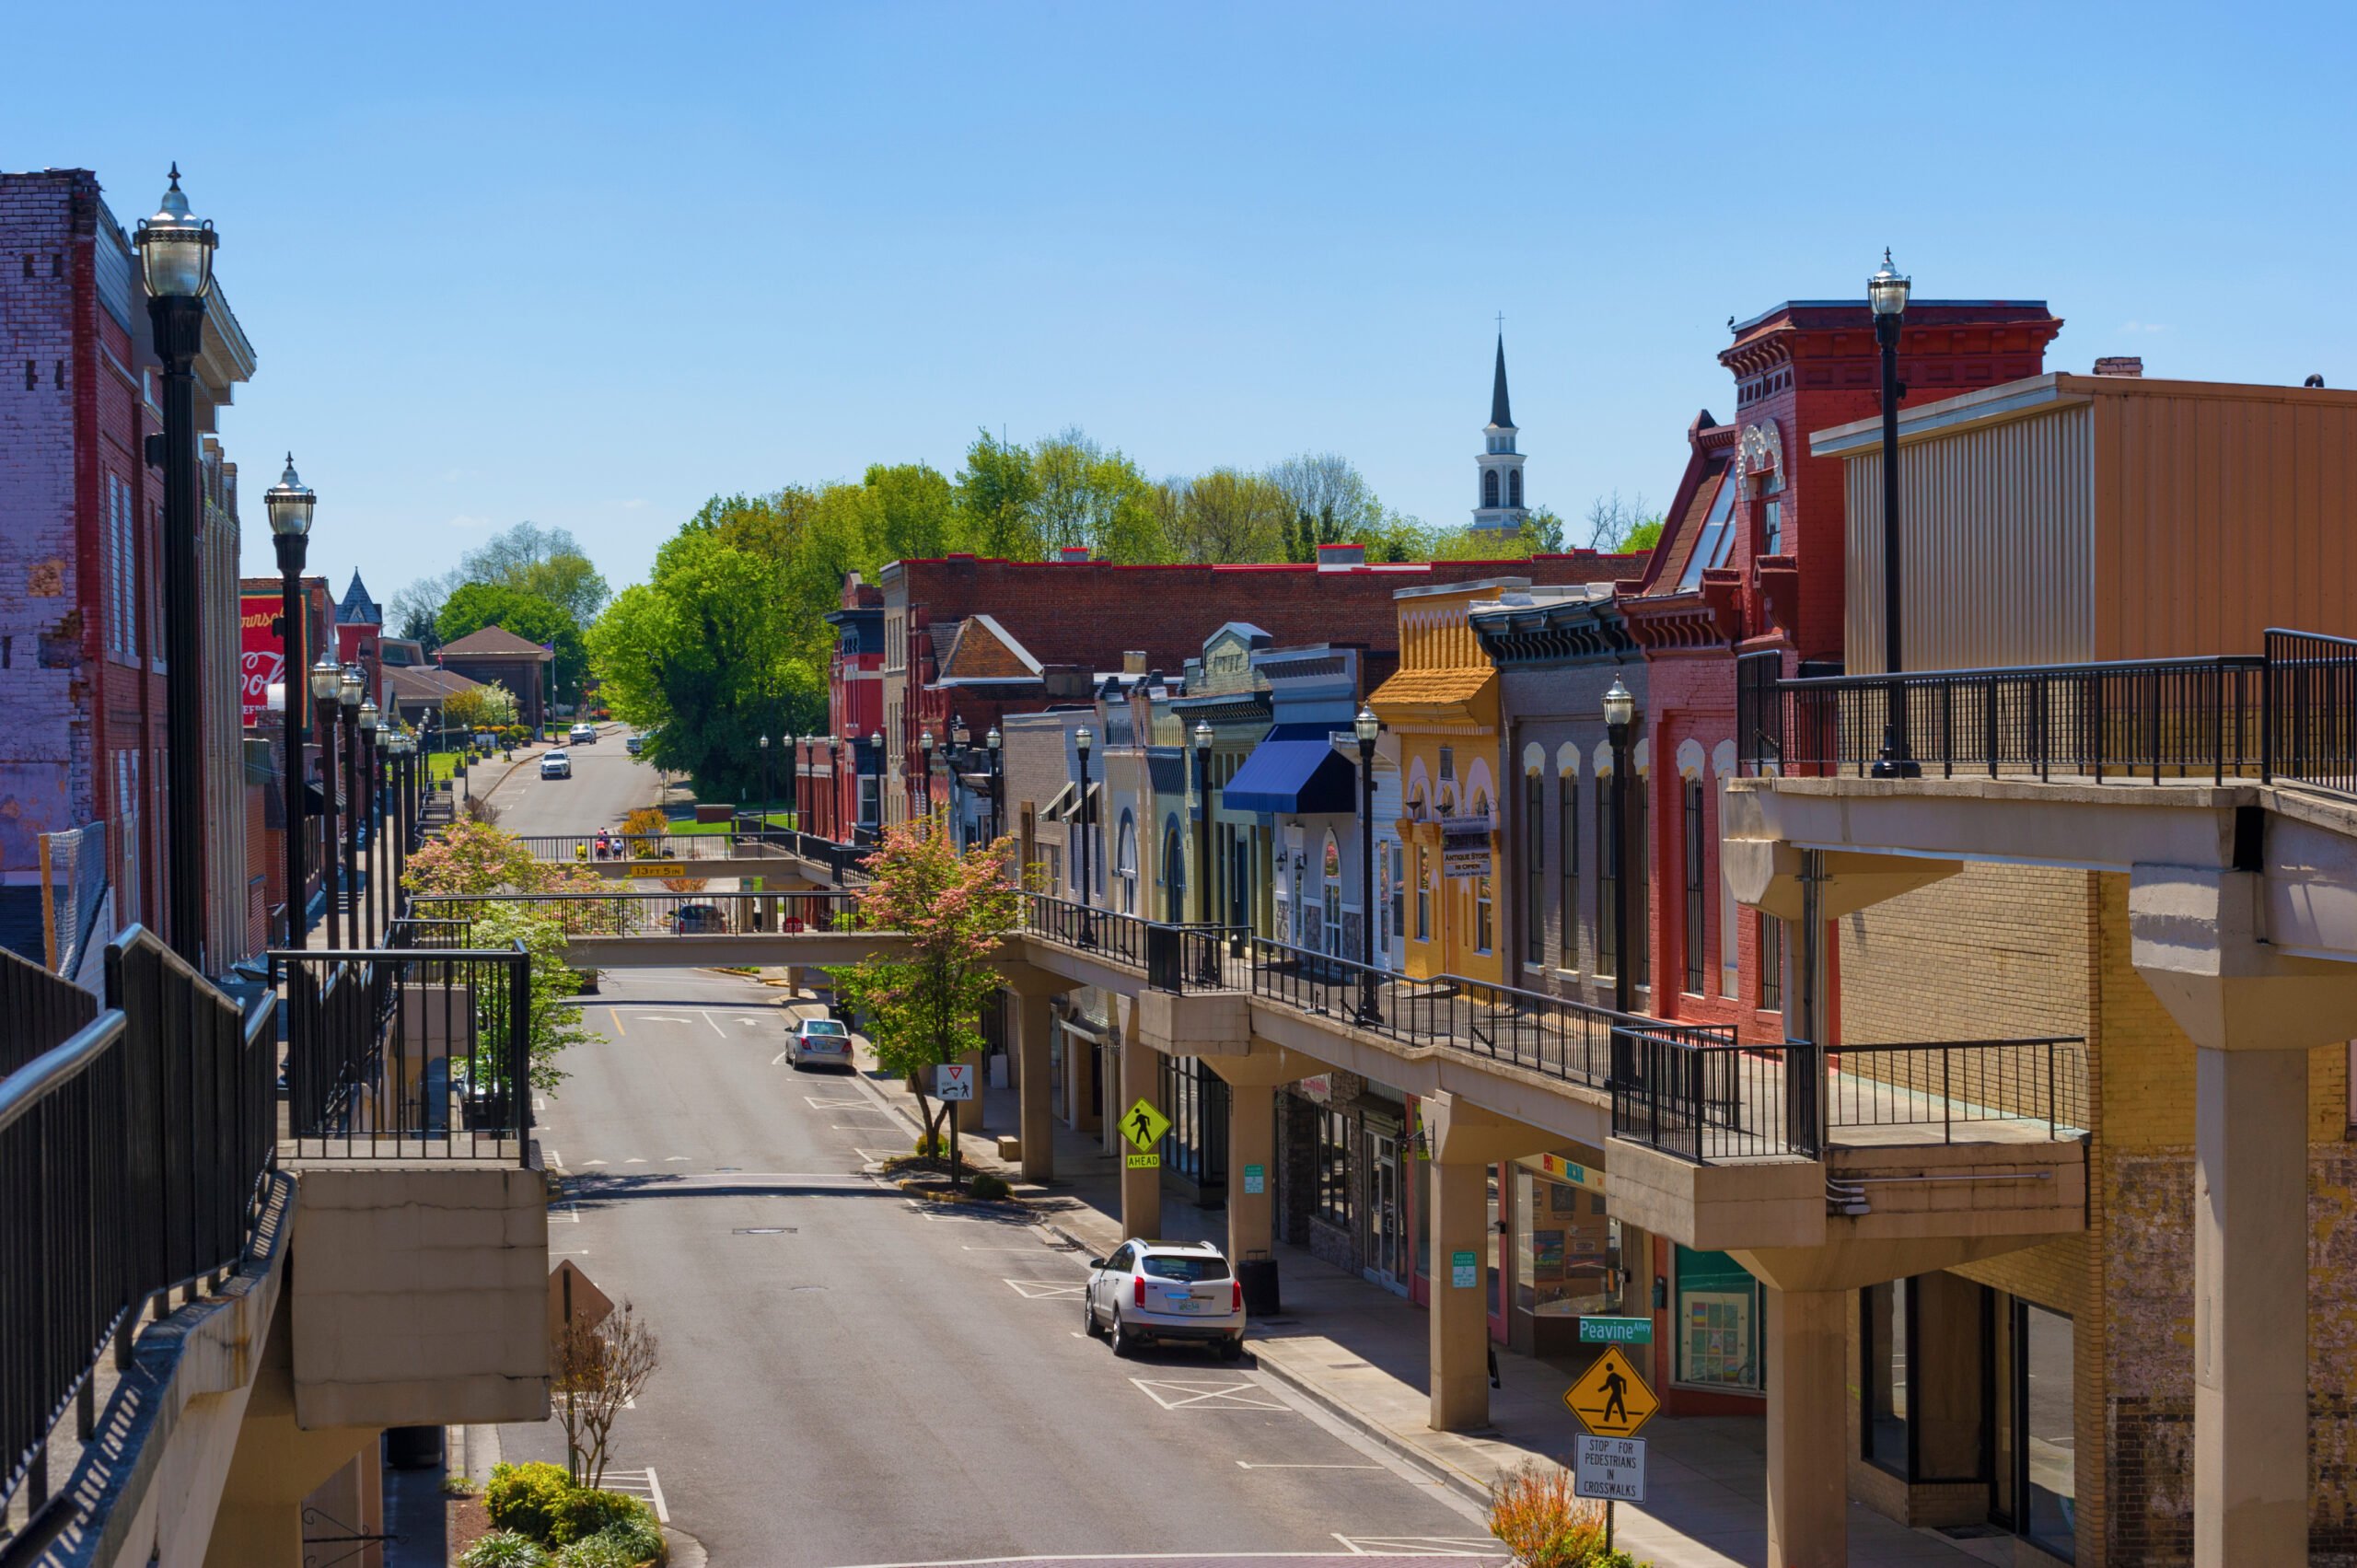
<point>821,1042</point>
<point>691,920</point>
<point>582,734</point>
<point>1166,1290</point>
<point>634,745</point>
<point>556,765</point>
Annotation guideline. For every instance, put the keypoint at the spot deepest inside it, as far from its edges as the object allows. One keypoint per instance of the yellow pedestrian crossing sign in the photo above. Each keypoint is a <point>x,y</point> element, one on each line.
<point>1144,1126</point>
<point>1610,1398</point>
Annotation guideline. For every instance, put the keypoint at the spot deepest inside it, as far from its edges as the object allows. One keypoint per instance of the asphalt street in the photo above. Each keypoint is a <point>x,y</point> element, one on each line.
<point>607,783</point>
<point>850,1377</point>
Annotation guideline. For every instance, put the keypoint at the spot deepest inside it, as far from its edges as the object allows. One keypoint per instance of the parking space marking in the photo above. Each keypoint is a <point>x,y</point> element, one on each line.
<point>641,1483</point>
<point>1422,1546</point>
<point>1248,1465</point>
<point>1042,1290</point>
<point>1175,1394</point>
<point>818,1104</point>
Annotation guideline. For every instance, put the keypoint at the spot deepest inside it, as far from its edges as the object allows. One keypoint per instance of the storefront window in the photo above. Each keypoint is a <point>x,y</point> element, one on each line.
<point>2048,1435</point>
<point>1718,1322</point>
<point>1195,1098</point>
<point>1333,1204</point>
<point>1882,1310</point>
<point>1567,1251</point>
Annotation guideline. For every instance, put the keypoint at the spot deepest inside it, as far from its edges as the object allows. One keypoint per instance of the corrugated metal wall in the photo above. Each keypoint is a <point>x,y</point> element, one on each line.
<point>2218,516</point>
<point>1998,547</point>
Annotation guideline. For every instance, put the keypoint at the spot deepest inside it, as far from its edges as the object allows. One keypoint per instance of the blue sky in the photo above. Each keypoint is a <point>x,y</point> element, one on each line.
<point>588,264</point>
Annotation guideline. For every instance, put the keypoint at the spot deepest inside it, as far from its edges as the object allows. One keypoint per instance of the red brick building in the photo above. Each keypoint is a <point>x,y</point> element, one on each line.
<point>977,639</point>
<point>81,630</point>
<point>1752,561</point>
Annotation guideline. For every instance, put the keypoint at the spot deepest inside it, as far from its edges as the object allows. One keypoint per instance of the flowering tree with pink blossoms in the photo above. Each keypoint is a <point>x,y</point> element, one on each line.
<point>924,1008</point>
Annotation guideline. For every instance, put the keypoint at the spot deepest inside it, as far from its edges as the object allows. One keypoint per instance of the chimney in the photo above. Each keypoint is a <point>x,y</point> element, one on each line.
<point>1072,554</point>
<point>2127,365</point>
<point>1341,557</point>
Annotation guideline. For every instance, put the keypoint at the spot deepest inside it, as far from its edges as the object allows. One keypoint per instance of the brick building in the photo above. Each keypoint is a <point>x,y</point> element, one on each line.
<point>263,663</point>
<point>81,632</point>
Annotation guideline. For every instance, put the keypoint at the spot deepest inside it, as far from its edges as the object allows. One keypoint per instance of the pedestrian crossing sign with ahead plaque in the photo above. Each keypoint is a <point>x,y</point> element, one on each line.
<point>1144,1126</point>
<point>1609,1398</point>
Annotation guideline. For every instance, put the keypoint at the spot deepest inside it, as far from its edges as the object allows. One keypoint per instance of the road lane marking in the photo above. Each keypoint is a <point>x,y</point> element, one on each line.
<point>668,1158</point>
<point>551,1158</point>
<point>635,1160</point>
<point>818,1104</point>
<point>1248,1465</point>
<point>1422,1546</point>
<point>781,1056</point>
<point>616,1014</point>
<point>586,1164</point>
<point>1174,1393</point>
<point>714,1022</point>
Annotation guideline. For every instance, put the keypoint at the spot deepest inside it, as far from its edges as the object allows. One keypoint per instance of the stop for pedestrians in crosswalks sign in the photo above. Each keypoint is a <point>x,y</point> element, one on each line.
<point>953,1080</point>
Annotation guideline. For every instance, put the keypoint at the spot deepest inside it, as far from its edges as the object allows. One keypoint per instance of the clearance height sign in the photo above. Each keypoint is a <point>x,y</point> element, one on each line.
<point>262,657</point>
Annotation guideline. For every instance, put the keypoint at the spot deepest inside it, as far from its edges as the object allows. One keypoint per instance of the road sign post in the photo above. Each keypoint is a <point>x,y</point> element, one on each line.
<point>953,1084</point>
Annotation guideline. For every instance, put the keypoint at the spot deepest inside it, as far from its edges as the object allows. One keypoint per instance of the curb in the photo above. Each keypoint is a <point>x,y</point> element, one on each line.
<point>686,1551</point>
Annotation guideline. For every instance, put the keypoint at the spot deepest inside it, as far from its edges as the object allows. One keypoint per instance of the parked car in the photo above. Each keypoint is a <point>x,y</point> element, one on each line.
<point>821,1042</point>
<point>582,734</point>
<point>1166,1290</point>
<point>690,920</point>
<point>556,765</point>
<point>634,745</point>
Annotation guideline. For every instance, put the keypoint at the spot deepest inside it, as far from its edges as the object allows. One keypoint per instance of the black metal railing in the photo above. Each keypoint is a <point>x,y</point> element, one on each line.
<point>131,1154</point>
<point>583,849</point>
<point>1717,1103</point>
<point>405,1054</point>
<point>2311,710</point>
<point>662,914</point>
<point>1191,956</point>
<point>1117,938</point>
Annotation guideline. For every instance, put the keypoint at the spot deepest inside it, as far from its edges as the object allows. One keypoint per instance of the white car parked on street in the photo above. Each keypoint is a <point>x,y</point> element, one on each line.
<point>1166,1290</point>
<point>822,1042</point>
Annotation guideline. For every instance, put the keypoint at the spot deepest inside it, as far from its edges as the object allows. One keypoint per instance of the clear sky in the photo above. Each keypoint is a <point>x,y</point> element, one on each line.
<point>588,264</point>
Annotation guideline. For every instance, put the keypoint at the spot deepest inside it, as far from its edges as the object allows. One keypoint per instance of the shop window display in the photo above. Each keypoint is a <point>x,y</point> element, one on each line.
<point>1718,1323</point>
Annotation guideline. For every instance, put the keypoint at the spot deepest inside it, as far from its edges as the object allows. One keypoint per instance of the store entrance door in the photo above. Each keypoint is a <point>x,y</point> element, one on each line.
<point>1387,1250</point>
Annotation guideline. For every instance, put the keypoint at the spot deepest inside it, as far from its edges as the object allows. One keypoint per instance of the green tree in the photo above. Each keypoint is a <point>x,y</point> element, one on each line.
<point>923,1010</point>
<point>549,562</point>
<point>477,605</point>
<point>1230,516</point>
<point>995,491</point>
<point>1332,503</point>
<point>488,706</point>
<point>916,514</point>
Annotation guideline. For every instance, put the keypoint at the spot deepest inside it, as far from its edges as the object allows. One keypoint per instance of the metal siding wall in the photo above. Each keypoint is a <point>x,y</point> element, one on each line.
<point>1998,550</point>
<point>2223,516</point>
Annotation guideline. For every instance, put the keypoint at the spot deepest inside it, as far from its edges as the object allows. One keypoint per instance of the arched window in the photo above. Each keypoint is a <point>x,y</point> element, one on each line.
<point>1330,877</point>
<point>1514,488</point>
<point>1533,849</point>
<point>1125,867</point>
<point>1489,487</point>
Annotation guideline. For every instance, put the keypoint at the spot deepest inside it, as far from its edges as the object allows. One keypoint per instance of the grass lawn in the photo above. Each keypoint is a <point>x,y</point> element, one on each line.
<point>440,767</point>
<point>700,830</point>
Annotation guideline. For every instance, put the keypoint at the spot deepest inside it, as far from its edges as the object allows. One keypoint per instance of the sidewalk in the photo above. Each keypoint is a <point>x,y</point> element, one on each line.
<point>1360,1351</point>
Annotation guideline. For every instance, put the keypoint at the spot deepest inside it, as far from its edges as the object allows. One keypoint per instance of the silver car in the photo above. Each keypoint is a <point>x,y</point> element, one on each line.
<point>1166,1290</point>
<point>821,1042</point>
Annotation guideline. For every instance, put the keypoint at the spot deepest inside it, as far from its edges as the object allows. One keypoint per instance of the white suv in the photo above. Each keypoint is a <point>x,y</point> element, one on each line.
<point>582,734</point>
<point>1166,1290</point>
<point>556,765</point>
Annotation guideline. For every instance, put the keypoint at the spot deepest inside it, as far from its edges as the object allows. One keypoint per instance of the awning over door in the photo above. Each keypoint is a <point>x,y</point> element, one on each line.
<point>1294,771</point>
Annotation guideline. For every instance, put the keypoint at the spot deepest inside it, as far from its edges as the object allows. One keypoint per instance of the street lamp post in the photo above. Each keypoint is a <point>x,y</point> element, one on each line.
<point>1620,710</point>
<point>991,742</point>
<point>176,263</point>
<point>327,685</point>
<point>1082,740</point>
<point>386,841</point>
<point>1886,293</point>
<point>367,813</point>
<point>1367,727</point>
<point>290,503</point>
<point>1203,737</point>
<point>959,757</point>
<point>875,744</point>
<point>924,744</point>
<point>765,789</point>
<point>347,696</point>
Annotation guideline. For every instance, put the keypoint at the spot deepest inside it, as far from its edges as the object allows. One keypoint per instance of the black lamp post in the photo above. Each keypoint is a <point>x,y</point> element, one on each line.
<point>366,813</point>
<point>176,263</point>
<point>1203,737</point>
<point>1367,728</point>
<point>876,745</point>
<point>765,787</point>
<point>834,788</point>
<point>385,842</point>
<point>1886,293</point>
<point>290,503</point>
<point>924,744</point>
<point>991,743</point>
<point>347,696</point>
<point>327,686</point>
<point>960,757</point>
<point>1620,710</point>
<point>1082,740</point>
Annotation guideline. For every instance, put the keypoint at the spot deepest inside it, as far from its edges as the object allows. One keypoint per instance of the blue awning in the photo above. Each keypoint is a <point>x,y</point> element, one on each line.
<point>1293,771</point>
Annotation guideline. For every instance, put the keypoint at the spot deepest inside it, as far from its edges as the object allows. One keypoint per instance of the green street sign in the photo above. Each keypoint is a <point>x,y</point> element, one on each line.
<point>1256,1180</point>
<point>1616,1330</point>
<point>1464,1270</point>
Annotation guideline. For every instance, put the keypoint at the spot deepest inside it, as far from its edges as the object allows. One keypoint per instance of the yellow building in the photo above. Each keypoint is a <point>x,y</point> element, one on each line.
<point>1442,704</point>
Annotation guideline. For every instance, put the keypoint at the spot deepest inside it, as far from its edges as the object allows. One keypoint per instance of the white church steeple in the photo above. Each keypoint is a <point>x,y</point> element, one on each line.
<point>1499,497</point>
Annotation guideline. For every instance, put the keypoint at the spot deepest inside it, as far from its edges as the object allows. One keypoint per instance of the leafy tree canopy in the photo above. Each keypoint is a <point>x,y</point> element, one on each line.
<point>477,605</point>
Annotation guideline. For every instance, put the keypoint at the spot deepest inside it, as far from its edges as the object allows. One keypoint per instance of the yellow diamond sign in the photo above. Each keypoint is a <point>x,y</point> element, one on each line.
<point>1144,1126</point>
<point>1610,1398</point>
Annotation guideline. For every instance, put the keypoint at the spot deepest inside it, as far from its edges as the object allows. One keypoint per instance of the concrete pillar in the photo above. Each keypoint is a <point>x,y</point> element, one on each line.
<point>1036,1111</point>
<point>2250,1295</point>
<point>970,1113</point>
<point>1251,1144</point>
<point>1460,1312</point>
<point>1141,1078</point>
<point>1807,1428</point>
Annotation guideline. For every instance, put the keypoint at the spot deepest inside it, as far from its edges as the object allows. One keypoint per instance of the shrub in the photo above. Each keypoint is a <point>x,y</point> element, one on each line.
<point>506,1549</point>
<point>933,1146</point>
<point>586,1512</point>
<point>527,1498</point>
<point>989,1186</point>
<point>595,1552</point>
<point>1535,1512</point>
<point>639,1539</point>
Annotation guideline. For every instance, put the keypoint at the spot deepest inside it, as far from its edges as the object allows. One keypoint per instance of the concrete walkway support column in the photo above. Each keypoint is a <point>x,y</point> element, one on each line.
<point>1465,1141</point>
<point>1252,1080</point>
<point>1141,1078</point>
<point>1807,1428</point>
<point>2250,1309</point>
<point>1035,1110</point>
